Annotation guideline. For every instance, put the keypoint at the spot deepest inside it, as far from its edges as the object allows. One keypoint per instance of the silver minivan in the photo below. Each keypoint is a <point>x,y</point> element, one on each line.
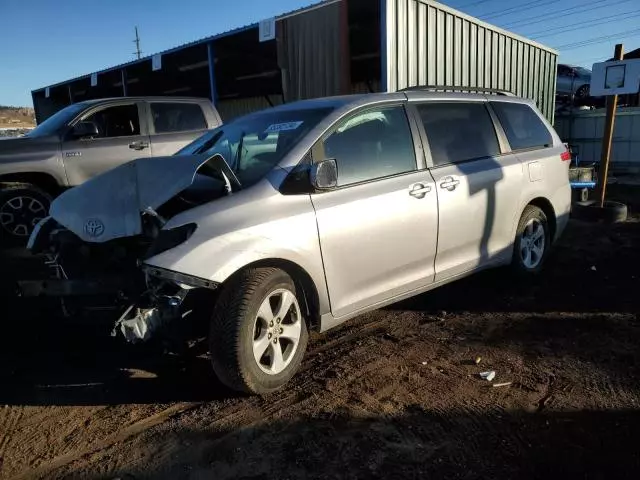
<point>305,215</point>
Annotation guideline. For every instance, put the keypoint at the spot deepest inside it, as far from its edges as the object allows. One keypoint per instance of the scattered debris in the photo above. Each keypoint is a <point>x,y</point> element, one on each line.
<point>488,376</point>
<point>505,384</point>
<point>478,360</point>
<point>425,362</point>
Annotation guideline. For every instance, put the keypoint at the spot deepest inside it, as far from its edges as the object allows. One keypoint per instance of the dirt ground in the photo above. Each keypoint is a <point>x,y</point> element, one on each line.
<point>392,394</point>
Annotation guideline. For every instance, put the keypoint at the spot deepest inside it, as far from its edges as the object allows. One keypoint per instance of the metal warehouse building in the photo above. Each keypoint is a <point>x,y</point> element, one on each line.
<point>332,48</point>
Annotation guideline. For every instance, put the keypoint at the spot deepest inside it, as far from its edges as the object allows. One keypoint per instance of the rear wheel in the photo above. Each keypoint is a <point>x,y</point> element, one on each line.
<point>532,241</point>
<point>258,334</point>
<point>22,206</point>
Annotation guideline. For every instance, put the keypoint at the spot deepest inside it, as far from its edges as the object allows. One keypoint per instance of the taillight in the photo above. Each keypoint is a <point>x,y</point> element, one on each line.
<point>565,156</point>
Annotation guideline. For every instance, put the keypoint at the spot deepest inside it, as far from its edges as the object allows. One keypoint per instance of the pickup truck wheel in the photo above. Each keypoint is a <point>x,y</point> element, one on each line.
<point>22,206</point>
<point>532,241</point>
<point>258,334</point>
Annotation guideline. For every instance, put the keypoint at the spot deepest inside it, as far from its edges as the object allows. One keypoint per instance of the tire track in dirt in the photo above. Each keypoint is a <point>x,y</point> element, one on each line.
<point>9,420</point>
<point>241,414</point>
<point>120,436</point>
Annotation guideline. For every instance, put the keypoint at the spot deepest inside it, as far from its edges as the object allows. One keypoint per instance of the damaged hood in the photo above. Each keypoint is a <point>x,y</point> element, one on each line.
<point>109,206</point>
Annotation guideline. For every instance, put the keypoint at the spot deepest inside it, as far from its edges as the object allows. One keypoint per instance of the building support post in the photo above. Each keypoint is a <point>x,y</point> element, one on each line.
<point>212,73</point>
<point>123,77</point>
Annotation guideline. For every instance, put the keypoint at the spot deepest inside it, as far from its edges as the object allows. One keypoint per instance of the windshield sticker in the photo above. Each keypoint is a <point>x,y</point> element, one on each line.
<point>282,127</point>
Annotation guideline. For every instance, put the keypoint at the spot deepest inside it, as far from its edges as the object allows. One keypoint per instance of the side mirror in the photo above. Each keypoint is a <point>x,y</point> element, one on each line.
<point>324,175</point>
<point>84,130</point>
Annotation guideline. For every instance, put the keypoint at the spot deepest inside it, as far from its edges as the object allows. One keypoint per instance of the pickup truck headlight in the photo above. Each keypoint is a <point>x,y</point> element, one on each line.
<point>170,238</point>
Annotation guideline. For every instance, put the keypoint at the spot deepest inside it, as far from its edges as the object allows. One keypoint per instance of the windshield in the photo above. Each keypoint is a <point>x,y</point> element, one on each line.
<point>254,144</point>
<point>53,124</point>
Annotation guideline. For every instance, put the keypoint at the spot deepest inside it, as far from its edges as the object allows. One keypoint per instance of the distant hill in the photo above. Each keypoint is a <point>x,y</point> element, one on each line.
<point>17,117</point>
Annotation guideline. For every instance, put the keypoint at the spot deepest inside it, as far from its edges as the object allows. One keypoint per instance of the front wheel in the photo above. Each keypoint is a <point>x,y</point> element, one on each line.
<point>532,242</point>
<point>258,333</point>
<point>22,206</point>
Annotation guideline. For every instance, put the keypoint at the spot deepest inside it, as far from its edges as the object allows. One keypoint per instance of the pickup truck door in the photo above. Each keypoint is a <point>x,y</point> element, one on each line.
<point>173,125</point>
<point>122,137</point>
<point>378,228</point>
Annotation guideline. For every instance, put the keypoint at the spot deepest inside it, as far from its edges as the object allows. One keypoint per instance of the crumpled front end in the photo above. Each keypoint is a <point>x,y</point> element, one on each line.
<point>98,236</point>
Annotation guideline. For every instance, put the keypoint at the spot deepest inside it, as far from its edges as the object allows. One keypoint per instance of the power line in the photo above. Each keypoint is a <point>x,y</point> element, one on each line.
<point>473,4</point>
<point>580,25</point>
<point>517,9</point>
<point>595,40</point>
<point>566,12</point>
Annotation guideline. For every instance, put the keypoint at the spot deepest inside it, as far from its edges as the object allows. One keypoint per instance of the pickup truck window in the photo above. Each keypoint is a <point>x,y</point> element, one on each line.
<point>56,122</point>
<point>116,121</point>
<point>177,117</point>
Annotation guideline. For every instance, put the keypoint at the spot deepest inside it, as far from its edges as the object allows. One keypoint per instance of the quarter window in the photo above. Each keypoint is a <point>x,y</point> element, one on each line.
<point>458,131</point>
<point>370,145</point>
<point>177,117</point>
<point>523,127</point>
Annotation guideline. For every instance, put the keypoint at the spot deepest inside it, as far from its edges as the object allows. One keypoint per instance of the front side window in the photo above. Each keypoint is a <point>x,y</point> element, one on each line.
<point>371,145</point>
<point>523,127</point>
<point>254,144</point>
<point>177,117</point>
<point>458,131</point>
<point>116,121</point>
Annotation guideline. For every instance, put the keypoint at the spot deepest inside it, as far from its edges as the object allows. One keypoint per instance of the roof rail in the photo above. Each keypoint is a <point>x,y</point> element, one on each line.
<point>446,88</point>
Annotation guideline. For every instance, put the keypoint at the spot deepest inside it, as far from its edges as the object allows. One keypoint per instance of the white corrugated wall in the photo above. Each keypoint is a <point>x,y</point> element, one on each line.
<point>427,43</point>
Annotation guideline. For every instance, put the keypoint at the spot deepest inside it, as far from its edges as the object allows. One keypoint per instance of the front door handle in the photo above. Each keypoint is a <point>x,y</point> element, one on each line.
<point>138,145</point>
<point>449,183</point>
<point>419,190</point>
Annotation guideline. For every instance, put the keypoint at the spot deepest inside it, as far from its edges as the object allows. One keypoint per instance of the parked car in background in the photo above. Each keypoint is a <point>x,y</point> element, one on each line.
<point>305,215</point>
<point>572,80</point>
<point>84,140</point>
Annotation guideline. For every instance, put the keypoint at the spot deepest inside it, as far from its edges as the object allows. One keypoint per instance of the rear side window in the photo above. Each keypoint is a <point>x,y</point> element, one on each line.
<point>522,125</point>
<point>458,131</point>
<point>177,117</point>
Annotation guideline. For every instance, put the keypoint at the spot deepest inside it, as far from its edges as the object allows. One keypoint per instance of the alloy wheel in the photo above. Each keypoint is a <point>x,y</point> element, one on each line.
<point>20,214</point>
<point>276,332</point>
<point>532,243</point>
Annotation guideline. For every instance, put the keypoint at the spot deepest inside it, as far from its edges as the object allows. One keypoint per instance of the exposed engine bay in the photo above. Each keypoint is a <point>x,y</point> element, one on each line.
<point>89,274</point>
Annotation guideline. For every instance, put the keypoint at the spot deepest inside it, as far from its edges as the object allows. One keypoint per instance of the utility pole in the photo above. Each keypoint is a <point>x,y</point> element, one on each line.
<point>612,103</point>
<point>138,52</point>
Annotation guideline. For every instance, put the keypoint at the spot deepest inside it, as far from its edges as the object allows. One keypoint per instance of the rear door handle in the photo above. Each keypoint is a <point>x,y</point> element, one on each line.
<point>419,190</point>
<point>138,145</point>
<point>449,183</point>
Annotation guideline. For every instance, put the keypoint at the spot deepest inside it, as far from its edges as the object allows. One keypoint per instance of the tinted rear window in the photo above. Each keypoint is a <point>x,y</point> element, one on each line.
<point>523,126</point>
<point>177,117</point>
<point>458,131</point>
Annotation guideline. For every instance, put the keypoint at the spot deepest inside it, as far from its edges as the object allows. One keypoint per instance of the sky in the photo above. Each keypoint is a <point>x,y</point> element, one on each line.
<point>48,41</point>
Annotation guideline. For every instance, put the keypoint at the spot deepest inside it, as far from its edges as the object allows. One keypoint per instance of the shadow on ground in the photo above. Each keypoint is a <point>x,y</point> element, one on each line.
<point>415,444</point>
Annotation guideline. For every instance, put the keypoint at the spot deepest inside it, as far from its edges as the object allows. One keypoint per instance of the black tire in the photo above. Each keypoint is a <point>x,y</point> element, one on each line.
<point>233,329</point>
<point>611,212</point>
<point>536,216</point>
<point>16,233</point>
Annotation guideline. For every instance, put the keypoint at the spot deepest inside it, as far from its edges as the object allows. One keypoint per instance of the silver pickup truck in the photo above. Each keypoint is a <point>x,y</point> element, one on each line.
<point>84,140</point>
